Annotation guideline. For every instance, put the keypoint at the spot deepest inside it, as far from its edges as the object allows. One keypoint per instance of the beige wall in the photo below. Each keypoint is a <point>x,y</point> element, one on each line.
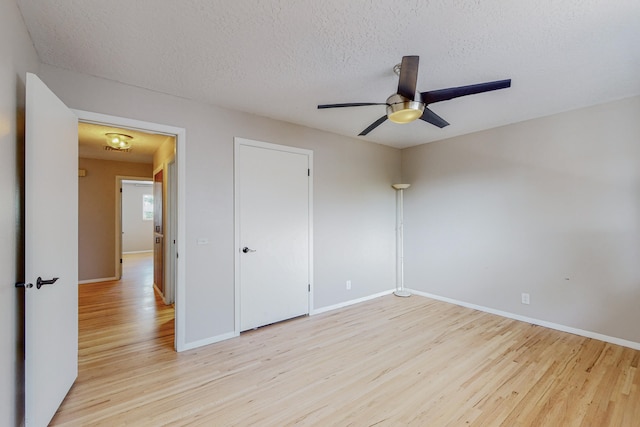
<point>165,153</point>
<point>550,207</point>
<point>97,215</point>
<point>17,56</point>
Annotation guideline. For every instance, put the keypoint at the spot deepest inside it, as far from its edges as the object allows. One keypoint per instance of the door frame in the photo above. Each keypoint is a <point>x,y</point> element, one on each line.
<point>237,141</point>
<point>181,142</point>
<point>165,261</point>
<point>170,232</point>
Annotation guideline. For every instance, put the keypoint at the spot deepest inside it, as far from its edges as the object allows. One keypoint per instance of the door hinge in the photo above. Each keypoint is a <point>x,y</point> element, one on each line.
<point>121,190</point>
<point>176,254</point>
<point>308,172</point>
<point>309,288</point>
<point>120,260</point>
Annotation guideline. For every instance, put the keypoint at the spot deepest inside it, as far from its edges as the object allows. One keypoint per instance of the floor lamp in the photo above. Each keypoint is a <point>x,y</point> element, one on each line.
<point>400,290</point>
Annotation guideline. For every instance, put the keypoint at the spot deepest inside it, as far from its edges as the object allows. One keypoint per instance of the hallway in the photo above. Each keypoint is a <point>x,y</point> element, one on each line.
<point>119,313</point>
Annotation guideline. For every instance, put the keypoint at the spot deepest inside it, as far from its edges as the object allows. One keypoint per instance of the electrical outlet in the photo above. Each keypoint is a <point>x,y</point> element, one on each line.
<point>525,298</point>
<point>348,285</point>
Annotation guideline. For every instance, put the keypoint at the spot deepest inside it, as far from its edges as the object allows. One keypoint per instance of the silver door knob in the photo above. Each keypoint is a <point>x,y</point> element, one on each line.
<point>247,250</point>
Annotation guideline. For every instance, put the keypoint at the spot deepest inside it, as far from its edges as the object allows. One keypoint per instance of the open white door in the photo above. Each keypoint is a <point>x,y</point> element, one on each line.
<point>51,251</point>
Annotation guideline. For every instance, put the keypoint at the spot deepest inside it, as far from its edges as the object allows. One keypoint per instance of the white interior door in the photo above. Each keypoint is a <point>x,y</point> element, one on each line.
<point>274,233</point>
<point>51,251</point>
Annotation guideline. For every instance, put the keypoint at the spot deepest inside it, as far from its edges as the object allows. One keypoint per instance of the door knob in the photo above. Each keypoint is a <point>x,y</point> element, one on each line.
<point>247,250</point>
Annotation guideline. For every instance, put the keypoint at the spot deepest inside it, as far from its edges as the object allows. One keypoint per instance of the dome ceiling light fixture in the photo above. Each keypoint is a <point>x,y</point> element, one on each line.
<point>118,141</point>
<point>405,107</point>
<point>403,110</point>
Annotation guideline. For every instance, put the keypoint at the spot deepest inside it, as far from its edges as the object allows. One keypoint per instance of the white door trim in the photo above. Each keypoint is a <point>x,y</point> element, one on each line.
<point>252,143</point>
<point>181,142</point>
<point>170,232</point>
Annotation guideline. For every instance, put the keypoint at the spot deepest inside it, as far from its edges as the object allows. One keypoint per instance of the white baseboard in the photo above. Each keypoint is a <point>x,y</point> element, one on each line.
<point>207,341</point>
<point>104,279</point>
<point>234,334</point>
<point>348,303</point>
<point>157,289</point>
<point>551,325</point>
<point>533,321</point>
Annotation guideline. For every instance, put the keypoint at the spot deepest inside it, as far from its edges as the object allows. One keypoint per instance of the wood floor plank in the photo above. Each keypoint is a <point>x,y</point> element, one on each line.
<point>386,362</point>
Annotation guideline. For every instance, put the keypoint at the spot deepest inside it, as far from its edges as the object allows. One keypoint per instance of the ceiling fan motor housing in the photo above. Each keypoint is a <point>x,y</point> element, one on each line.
<point>403,110</point>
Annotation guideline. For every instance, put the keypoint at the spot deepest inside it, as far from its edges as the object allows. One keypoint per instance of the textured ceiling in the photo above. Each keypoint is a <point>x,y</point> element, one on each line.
<point>280,58</point>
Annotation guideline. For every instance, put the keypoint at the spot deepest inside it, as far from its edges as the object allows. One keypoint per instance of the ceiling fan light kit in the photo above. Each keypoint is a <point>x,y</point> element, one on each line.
<point>402,107</point>
<point>403,110</point>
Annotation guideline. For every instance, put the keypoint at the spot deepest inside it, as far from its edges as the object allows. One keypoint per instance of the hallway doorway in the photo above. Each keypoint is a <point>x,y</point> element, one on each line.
<point>163,155</point>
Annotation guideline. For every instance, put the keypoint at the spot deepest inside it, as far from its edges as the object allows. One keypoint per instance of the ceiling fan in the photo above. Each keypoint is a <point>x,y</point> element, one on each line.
<point>403,107</point>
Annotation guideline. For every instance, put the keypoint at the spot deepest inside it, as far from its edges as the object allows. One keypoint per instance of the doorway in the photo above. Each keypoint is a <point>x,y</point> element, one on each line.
<point>136,215</point>
<point>174,156</point>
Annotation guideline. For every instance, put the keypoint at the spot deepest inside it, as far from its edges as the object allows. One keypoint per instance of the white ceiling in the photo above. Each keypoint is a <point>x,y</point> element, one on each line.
<point>280,58</point>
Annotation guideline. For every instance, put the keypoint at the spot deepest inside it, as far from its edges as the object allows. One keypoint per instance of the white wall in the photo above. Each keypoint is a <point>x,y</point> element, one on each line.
<point>17,56</point>
<point>354,205</point>
<point>137,234</point>
<point>550,207</point>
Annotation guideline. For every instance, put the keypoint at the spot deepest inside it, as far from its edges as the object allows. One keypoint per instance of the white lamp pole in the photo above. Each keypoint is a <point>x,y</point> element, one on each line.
<point>400,290</point>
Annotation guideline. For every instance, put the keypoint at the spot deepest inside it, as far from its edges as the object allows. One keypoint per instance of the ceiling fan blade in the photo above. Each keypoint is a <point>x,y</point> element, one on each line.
<point>431,117</point>
<point>408,77</point>
<point>353,104</point>
<point>373,125</point>
<point>454,92</point>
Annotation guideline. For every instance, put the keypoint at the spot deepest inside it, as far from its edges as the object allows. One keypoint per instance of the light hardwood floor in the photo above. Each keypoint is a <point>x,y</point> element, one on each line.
<point>387,362</point>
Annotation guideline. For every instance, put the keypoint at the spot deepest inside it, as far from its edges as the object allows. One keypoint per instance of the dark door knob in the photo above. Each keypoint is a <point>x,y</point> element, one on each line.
<point>40,282</point>
<point>247,250</point>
